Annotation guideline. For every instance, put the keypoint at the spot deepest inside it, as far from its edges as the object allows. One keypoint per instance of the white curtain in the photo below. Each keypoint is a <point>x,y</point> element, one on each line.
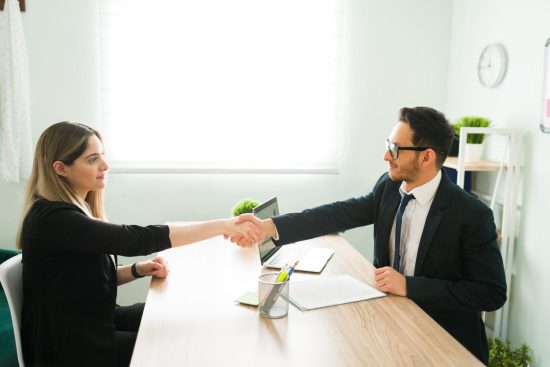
<point>15,123</point>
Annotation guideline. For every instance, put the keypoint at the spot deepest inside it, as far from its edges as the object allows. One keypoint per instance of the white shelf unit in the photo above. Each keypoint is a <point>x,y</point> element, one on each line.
<point>508,169</point>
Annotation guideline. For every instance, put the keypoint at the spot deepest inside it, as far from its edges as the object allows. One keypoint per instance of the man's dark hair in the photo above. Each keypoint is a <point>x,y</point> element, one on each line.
<point>430,129</point>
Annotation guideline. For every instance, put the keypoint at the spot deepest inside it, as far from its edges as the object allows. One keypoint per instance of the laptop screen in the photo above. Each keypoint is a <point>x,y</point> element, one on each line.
<point>266,210</point>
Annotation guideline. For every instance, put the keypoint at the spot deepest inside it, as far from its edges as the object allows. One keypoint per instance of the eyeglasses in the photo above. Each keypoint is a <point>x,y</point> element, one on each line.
<point>394,149</point>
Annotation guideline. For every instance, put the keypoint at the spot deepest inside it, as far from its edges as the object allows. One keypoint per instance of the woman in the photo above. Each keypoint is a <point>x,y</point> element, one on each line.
<point>70,317</point>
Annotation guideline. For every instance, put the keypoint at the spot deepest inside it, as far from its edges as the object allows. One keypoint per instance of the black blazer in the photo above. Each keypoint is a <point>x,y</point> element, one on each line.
<point>459,270</point>
<point>69,283</point>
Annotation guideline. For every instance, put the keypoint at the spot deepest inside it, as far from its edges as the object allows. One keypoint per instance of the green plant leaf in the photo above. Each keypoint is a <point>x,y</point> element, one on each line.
<point>244,206</point>
<point>501,354</point>
<point>471,121</point>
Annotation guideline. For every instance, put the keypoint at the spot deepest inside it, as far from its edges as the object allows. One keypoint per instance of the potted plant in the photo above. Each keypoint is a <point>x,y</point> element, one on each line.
<point>501,354</point>
<point>244,206</point>
<point>474,147</point>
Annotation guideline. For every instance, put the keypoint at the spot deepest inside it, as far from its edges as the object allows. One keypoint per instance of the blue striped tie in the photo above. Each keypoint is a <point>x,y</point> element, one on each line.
<point>397,253</point>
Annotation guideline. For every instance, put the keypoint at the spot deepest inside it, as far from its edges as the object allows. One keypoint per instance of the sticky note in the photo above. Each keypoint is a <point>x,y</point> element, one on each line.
<point>249,298</point>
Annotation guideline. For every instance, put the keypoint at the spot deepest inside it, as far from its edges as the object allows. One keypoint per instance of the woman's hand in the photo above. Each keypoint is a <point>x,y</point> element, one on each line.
<point>156,267</point>
<point>267,229</point>
<point>247,231</point>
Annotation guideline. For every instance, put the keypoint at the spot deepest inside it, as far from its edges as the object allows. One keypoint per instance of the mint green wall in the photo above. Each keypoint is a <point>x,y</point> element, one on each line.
<point>62,49</point>
<point>401,52</point>
<point>522,27</point>
<point>396,58</point>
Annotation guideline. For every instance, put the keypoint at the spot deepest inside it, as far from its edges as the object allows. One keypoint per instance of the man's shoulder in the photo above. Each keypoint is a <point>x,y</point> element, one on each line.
<point>465,200</point>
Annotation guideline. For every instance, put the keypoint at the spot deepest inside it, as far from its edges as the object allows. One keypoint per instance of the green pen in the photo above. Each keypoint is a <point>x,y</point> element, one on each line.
<point>283,274</point>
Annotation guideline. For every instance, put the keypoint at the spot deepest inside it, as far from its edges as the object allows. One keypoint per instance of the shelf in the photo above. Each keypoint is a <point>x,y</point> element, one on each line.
<point>510,179</point>
<point>483,165</point>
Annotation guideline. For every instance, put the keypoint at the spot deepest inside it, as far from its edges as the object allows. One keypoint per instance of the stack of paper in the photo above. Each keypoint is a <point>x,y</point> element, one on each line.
<point>329,291</point>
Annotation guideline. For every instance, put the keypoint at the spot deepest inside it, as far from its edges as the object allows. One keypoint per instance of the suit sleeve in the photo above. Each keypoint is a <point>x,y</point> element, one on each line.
<point>330,218</point>
<point>68,229</point>
<point>482,284</point>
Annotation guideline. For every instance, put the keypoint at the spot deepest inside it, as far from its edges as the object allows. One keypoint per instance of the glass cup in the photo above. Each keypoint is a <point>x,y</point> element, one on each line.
<point>273,296</point>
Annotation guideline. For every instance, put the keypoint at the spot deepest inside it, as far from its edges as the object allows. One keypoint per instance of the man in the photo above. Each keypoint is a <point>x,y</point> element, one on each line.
<point>433,242</point>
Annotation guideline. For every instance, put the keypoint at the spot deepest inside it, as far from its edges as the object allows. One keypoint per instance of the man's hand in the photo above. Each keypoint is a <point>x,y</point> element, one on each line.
<point>245,232</point>
<point>266,229</point>
<point>390,280</point>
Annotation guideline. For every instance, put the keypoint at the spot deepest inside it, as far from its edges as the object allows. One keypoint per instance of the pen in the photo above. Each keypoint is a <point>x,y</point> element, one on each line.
<point>275,291</point>
<point>292,269</point>
<point>283,274</point>
<point>281,277</point>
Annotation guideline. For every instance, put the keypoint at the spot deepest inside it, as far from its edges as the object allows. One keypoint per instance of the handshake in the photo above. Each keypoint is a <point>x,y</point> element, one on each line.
<point>246,230</point>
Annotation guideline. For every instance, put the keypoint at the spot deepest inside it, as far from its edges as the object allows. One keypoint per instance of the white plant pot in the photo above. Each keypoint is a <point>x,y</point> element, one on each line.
<point>473,152</point>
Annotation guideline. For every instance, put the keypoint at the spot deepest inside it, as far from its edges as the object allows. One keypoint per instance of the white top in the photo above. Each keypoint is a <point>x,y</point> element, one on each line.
<point>414,219</point>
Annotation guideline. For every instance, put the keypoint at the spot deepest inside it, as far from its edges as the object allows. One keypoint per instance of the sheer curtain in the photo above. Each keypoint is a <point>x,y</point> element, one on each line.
<point>15,121</point>
<point>249,85</point>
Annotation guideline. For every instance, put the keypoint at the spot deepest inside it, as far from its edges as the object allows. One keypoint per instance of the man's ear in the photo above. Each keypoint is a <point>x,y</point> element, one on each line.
<point>429,157</point>
<point>60,168</point>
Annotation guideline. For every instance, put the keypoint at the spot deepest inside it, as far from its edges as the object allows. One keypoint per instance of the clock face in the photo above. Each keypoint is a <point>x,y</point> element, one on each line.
<point>492,65</point>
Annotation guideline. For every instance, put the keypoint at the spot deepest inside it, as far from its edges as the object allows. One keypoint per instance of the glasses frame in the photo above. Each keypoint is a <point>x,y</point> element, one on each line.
<point>390,145</point>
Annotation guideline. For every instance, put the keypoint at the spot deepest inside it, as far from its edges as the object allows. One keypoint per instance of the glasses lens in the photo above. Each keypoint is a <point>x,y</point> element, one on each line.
<point>394,149</point>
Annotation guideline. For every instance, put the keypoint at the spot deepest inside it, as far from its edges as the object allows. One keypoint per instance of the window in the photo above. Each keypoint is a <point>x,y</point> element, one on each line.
<point>246,85</point>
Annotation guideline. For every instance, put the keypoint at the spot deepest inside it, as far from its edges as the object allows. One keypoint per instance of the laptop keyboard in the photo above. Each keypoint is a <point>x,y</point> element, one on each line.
<point>288,257</point>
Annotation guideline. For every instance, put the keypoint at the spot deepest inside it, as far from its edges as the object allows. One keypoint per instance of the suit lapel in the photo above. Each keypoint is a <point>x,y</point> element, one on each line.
<point>386,218</point>
<point>441,201</point>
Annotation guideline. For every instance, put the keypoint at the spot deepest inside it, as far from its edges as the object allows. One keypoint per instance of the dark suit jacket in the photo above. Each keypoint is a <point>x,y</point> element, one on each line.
<point>69,283</point>
<point>459,270</point>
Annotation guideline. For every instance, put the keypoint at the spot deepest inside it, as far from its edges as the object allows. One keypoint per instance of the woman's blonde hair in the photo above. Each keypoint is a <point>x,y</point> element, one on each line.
<point>65,142</point>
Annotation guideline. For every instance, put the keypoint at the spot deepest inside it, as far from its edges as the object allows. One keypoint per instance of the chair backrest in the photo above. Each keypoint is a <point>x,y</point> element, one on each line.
<point>11,277</point>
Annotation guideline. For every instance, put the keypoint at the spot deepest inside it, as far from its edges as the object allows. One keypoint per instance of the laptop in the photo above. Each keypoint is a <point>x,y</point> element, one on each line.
<point>312,259</point>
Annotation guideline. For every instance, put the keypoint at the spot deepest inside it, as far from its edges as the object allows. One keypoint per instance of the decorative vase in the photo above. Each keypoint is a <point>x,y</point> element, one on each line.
<point>473,152</point>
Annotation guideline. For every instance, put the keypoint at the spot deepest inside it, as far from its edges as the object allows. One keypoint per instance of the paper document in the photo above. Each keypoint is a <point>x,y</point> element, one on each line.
<point>323,292</point>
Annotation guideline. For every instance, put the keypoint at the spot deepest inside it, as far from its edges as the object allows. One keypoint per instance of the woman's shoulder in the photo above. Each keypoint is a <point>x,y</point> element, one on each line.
<point>45,217</point>
<point>43,207</point>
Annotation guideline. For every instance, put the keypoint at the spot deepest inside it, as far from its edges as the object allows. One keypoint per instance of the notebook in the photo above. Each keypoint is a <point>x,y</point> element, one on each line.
<point>312,259</point>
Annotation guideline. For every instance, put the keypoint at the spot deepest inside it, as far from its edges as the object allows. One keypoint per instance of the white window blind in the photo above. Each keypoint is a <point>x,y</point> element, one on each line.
<point>248,85</point>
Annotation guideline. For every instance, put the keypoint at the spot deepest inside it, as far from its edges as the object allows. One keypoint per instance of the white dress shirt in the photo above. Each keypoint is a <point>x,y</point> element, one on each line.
<point>414,219</point>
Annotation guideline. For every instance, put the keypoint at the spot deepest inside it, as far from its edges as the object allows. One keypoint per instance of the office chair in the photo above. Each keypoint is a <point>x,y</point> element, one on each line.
<point>11,277</point>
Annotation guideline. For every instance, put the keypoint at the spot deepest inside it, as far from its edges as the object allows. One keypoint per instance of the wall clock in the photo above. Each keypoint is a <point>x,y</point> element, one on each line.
<point>492,64</point>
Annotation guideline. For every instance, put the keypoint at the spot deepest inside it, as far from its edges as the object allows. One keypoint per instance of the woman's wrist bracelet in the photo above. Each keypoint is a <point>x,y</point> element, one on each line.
<point>135,274</point>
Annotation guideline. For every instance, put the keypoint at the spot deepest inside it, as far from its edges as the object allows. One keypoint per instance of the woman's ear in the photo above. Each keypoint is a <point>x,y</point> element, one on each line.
<point>60,168</point>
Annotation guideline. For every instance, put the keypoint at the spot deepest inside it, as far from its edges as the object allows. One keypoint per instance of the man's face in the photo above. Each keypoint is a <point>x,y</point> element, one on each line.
<point>406,167</point>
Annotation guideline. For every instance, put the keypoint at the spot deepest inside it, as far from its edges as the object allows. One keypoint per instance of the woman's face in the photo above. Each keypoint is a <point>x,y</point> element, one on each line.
<point>88,172</point>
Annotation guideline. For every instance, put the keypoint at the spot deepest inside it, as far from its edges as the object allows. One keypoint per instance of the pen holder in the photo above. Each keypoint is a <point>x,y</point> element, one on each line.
<point>273,296</point>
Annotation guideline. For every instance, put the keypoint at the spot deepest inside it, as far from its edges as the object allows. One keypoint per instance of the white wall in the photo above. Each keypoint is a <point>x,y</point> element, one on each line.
<point>401,52</point>
<point>396,59</point>
<point>522,27</point>
<point>62,48</point>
